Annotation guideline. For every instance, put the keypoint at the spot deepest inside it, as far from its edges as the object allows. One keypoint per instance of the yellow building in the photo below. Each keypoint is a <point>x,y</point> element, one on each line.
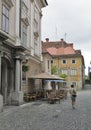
<point>68,62</point>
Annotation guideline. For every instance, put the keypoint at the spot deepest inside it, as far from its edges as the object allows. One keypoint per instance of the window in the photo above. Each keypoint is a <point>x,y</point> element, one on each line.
<point>5,19</point>
<point>36,22</point>
<point>51,61</point>
<point>36,46</point>
<point>35,13</point>
<point>24,79</point>
<point>24,35</point>
<point>73,72</point>
<point>36,31</point>
<point>73,61</point>
<point>48,64</point>
<point>64,71</point>
<point>64,61</point>
<point>74,83</point>
<point>35,25</point>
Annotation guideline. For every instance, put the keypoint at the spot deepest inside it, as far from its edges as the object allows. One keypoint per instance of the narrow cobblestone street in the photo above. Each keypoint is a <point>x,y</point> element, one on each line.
<point>40,115</point>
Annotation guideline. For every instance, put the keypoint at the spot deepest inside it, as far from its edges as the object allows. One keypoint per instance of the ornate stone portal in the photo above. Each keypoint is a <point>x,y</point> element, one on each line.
<point>10,76</point>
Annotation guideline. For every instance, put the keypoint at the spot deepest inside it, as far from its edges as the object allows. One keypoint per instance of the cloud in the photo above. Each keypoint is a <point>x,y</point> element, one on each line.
<point>70,17</point>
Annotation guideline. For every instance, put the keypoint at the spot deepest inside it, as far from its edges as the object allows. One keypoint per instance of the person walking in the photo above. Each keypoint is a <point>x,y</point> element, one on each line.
<point>73,94</point>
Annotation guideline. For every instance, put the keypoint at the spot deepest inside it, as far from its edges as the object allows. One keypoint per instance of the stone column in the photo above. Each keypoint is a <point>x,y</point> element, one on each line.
<point>17,75</point>
<point>0,63</point>
<point>11,85</point>
<point>1,97</point>
<point>17,96</point>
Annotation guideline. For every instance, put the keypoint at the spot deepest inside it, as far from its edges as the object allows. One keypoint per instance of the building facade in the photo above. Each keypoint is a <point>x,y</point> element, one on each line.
<point>20,43</point>
<point>68,61</point>
<point>46,62</point>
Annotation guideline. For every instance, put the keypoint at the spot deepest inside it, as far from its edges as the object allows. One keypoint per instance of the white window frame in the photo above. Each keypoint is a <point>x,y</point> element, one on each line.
<point>74,83</point>
<point>64,71</point>
<point>24,35</point>
<point>5,18</point>
<point>63,61</point>
<point>73,62</point>
<point>35,45</point>
<point>73,72</point>
<point>35,13</point>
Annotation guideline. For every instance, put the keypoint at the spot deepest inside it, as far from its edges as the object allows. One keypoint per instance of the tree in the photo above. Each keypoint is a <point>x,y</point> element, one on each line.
<point>63,76</point>
<point>53,70</point>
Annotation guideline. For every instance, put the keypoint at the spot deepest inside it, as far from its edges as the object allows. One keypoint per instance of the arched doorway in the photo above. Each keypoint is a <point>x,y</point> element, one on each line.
<point>6,80</point>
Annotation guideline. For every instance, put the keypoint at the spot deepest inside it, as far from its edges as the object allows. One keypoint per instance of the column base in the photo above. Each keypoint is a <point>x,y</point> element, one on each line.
<point>1,103</point>
<point>17,98</point>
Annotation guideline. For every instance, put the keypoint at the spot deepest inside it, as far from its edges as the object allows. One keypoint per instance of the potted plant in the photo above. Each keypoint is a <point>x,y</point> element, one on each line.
<point>25,68</point>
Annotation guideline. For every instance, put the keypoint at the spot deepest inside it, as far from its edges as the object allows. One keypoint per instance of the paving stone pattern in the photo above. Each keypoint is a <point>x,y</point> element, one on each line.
<point>40,115</point>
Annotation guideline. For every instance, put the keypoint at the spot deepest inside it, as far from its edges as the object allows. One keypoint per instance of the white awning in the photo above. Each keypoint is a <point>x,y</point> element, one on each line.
<point>53,80</point>
<point>46,76</point>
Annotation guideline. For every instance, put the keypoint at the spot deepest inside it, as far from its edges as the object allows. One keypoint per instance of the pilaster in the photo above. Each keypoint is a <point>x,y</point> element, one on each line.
<point>17,17</point>
<point>17,22</point>
<point>1,97</point>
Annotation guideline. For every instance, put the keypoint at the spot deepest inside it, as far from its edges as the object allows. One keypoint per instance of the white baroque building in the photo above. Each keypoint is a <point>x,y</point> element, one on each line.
<point>20,40</point>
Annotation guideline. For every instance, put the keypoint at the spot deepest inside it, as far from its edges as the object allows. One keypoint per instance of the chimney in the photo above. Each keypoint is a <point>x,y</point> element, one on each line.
<point>62,42</point>
<point>62,39</point>
<point>47,39</point>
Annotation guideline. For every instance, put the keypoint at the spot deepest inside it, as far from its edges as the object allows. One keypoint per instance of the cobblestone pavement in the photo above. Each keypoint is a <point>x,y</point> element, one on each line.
<point>40,115</point>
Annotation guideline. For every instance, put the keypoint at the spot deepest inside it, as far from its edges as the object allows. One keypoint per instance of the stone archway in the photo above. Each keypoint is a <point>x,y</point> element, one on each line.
<point>6,80</point>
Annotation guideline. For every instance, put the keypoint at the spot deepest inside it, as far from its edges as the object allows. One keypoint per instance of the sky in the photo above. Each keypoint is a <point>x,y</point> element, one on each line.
<point>70,20</point>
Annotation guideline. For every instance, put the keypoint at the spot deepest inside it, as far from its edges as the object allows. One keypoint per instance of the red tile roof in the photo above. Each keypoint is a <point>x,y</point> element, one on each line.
<point>59,48</point>
<point>60,51</point>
